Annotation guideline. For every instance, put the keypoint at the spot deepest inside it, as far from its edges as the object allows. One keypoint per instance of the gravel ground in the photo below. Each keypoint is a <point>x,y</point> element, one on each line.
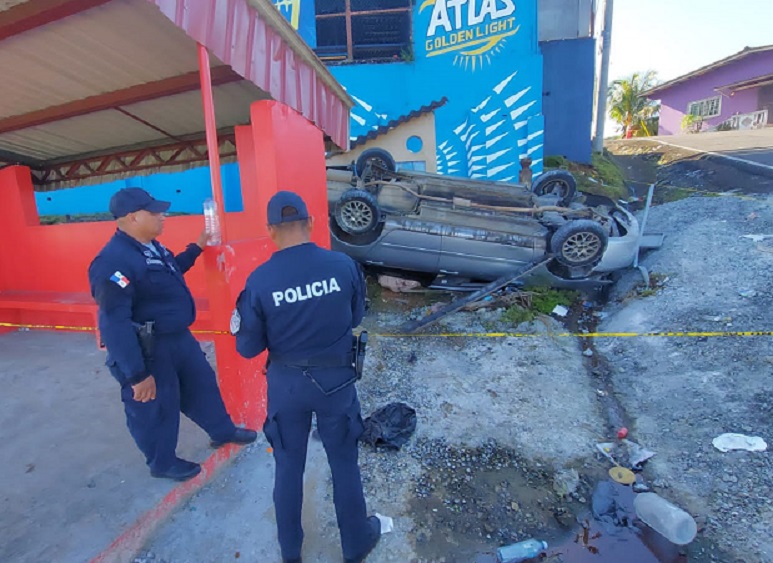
<point>683,392</point>
<point>505,442</point>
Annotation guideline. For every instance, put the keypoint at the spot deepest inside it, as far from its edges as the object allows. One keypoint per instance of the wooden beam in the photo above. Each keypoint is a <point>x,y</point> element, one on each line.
<point>110,100</point>
<point>35,13</point>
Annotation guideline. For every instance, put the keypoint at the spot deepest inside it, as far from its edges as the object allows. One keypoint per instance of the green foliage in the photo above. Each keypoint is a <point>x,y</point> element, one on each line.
<point>608,170</point>
<point>406,54</point>
<point>554,161</point>
<point>692,123</point>
<point>634,113</point>
<point>516,315</point>
<point>545,300</point>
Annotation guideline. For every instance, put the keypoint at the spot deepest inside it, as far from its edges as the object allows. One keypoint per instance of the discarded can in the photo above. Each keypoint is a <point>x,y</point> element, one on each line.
<point>520,551</point>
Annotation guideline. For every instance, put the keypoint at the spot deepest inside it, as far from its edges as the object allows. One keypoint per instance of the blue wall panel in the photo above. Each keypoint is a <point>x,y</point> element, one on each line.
<point>186,190</point>
<point>568,97</point>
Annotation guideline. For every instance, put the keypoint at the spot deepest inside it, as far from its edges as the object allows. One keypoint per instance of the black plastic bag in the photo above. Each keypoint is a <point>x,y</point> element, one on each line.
<point>390,427</point>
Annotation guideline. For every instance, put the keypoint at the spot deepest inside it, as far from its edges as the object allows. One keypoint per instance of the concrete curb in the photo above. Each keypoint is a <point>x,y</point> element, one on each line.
<point>126,546</point>
<point>740,163</point>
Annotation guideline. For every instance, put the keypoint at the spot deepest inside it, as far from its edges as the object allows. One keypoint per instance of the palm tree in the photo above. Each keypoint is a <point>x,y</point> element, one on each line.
<point>632,111</point>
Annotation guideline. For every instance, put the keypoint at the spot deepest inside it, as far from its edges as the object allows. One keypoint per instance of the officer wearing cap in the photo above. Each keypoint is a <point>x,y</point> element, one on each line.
<point>301,305</point>
<point>145,309</point>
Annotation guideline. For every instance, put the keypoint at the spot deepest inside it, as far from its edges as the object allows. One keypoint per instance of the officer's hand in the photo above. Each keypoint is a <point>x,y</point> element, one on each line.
<point>203,239</point>
<point>145,390</point>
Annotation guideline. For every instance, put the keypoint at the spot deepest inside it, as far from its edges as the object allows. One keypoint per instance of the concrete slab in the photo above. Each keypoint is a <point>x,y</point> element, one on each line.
<point>754,146</point>
<point>71,478</point>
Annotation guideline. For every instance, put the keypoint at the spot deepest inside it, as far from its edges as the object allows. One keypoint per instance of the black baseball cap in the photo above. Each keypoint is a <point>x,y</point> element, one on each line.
<point>280,202</point>
<point>129,200</point>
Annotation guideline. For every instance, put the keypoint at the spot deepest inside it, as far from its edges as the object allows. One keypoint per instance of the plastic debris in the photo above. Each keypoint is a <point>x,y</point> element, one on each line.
<point>622,433</point>
<point>607,508</point>
<point>398,285</point>
<point>747,293</point>
<point>387,524</point>
<point>622,475</point>
<point>587,352</point>
<point>667,519</point>
<point>635,454</point>
<point>390,427</point>
<point>560,310</point>
<point>730,441</point>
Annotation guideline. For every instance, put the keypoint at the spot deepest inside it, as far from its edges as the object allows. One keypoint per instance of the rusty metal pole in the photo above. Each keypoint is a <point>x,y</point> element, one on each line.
<point>213,149</point>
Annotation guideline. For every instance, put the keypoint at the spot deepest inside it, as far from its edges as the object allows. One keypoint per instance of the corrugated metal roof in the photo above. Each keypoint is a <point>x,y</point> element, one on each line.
<point>708,68</point>
<point>362,139</point>
<point>104,49</point>
<point>178,115</point>
<point>126,43</point>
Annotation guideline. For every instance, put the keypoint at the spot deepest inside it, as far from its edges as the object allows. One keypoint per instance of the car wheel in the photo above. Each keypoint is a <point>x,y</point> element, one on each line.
<point>370,165</point>
<point>579,243</point>
<point>357,212</point>
<point>556,182</point>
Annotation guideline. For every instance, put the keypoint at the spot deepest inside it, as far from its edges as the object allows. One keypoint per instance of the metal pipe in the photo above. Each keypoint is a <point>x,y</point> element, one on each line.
<point>601,101</point>
<point>210,126</point>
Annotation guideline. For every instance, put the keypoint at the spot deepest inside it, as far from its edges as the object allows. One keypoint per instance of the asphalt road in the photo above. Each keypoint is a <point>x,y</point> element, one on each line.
<point>755,146</point>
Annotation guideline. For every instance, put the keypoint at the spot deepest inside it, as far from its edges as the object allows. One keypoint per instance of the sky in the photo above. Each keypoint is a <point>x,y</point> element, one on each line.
<point>674,37</point>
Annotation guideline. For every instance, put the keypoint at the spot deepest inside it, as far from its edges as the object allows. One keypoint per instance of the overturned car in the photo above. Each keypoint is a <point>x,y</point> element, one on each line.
<point>441,229</point>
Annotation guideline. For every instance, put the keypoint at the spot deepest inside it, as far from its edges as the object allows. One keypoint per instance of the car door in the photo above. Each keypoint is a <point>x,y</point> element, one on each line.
<point>403,248</point>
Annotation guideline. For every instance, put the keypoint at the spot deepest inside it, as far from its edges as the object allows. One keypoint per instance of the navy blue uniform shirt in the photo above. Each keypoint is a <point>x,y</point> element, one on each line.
<point>133,284</point>
<point>301,304</point>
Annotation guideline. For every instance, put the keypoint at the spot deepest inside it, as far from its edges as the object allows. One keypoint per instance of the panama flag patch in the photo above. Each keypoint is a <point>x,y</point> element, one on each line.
<point>120,279</point>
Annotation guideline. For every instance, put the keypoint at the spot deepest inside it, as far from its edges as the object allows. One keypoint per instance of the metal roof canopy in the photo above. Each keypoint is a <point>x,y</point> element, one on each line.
<point>85,76</point>
<point>708,68</point>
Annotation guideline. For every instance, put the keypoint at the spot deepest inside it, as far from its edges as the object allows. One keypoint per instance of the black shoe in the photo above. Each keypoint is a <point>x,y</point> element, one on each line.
<point>296,560</point>
<point>181,471</point>
<point>375,526</point>
<point>240,436</point>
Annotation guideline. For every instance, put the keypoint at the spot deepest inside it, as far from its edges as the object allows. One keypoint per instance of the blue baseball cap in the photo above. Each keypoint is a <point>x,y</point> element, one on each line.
<point>291,203</point>
<point>129,200</point>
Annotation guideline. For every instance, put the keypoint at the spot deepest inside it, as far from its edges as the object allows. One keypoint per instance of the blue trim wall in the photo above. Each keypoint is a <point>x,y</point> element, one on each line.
<point>186,190</point>
<point>567,97</point>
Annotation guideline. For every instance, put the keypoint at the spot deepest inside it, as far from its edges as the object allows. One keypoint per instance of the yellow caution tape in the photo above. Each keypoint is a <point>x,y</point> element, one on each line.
<point>669,334</point>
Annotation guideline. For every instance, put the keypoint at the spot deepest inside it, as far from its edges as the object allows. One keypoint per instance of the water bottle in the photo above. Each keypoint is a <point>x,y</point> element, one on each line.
<point>520,551</point>
<point>668,520</point>
<point>211,222</point>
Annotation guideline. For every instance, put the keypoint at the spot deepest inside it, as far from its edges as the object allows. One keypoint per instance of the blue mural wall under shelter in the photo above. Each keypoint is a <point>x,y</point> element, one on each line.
<point>484,57</point>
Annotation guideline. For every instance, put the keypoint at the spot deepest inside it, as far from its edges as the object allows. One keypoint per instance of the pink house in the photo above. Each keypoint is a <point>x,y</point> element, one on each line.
<point>734,93</point>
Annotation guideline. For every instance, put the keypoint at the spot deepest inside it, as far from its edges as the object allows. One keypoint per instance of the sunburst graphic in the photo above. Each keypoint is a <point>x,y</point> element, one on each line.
<point>479,60</point>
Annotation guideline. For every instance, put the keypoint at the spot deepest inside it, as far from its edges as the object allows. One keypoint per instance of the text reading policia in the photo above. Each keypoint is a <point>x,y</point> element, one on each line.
<point>298,293</point>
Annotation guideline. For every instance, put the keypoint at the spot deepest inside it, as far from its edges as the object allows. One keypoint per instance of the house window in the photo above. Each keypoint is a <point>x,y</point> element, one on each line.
<point>710,107</point>
<point>360,30</point>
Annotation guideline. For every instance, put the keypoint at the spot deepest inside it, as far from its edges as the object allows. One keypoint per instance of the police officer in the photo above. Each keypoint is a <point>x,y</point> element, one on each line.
<point>301,305</point>
<point>145,309</point>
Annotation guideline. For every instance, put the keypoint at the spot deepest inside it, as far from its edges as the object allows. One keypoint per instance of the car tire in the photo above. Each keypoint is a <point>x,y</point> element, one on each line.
<point>370,158</point>
<point>356,212</point>
<point>579,243</point>
<point>558,182</point>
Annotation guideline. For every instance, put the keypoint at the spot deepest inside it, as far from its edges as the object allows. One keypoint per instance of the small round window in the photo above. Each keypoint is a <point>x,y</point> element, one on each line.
<point>414,143</point>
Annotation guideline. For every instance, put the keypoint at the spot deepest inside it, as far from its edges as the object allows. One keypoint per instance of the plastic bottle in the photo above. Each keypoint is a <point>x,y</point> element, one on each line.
<point>670,521</point>
<point>520,551</point>
<point>211,222</point>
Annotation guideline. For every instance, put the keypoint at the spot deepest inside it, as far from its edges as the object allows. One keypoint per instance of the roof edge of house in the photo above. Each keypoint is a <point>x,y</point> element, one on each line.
<point>704,69</point>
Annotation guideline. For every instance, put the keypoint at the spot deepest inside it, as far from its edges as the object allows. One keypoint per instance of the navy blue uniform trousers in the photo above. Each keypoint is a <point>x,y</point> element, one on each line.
<point>185,382</point>
<point>292,397</point>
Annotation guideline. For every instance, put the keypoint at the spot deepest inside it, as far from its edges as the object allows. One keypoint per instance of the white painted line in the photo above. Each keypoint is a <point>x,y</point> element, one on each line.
<point>717,154</point>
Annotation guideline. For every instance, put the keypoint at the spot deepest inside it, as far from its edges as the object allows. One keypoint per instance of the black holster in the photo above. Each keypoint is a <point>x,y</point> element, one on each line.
<point>146,337</point>
<point>359,344</point>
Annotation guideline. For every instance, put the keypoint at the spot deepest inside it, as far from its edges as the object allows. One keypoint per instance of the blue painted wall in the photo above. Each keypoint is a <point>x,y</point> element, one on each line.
<point>567,99</point>
<point>484,57</point>
<point>186,190</point>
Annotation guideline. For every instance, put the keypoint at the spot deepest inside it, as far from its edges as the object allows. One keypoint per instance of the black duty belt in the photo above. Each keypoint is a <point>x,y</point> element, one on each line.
<point>339,362</point>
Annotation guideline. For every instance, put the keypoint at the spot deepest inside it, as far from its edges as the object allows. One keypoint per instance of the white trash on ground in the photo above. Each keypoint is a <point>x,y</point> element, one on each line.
<point>730,441</point>
<point>387,524</point>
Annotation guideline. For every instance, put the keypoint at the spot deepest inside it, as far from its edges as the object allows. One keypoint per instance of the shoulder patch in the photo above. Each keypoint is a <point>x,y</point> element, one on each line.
<point>236,322</point>
<point>119,279</point>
